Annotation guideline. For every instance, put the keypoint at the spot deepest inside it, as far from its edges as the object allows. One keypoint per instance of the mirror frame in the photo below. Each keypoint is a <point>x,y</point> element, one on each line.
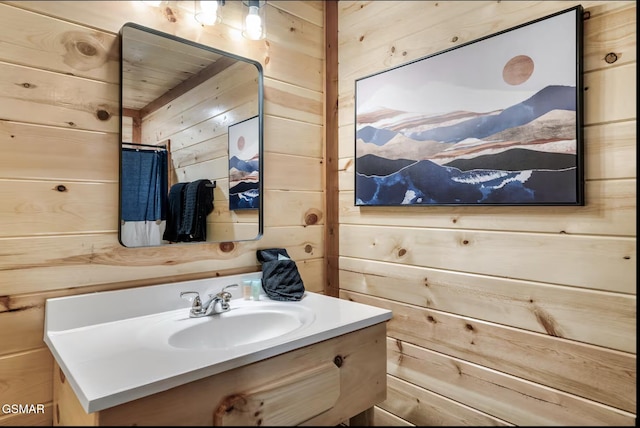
<point>260,130</point>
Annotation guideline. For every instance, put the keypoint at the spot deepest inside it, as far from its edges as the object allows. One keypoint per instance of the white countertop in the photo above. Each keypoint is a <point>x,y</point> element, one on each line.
<point>106,347</point>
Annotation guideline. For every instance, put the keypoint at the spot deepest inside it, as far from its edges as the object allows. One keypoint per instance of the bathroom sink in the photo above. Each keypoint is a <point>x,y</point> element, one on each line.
<point>241,325</point>
<point>244,324</point>
<point>117,346</point>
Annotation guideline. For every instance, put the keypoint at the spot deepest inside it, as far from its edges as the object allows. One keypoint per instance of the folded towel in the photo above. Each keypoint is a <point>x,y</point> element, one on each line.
<point>280,277</point>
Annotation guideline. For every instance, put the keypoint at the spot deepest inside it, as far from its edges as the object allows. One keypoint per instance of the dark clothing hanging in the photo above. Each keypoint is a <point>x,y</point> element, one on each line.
<point>174,212</point>
<point>189,205</point>
<point>198,203</point>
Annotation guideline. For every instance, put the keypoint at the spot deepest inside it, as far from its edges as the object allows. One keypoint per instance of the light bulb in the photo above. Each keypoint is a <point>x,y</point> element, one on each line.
<point>208,13</point>
<point>253,24</point>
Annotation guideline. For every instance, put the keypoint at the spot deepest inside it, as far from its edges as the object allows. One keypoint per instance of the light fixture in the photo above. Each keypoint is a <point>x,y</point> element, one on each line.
<point>253,19</point>
<point>208,12</point>
<point>154,3</point>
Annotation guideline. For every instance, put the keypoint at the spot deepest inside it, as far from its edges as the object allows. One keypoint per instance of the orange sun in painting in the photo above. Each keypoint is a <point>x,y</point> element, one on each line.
<point>241,143</point>
<point>517,70</point>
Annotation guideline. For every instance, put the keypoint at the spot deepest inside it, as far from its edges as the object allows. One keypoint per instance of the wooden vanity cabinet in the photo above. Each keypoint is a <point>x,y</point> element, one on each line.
<point>323,384</point>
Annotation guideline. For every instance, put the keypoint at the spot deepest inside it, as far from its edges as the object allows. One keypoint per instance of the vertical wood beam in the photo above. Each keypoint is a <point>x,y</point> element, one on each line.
<point>331,223</point>
<point>137,124</point>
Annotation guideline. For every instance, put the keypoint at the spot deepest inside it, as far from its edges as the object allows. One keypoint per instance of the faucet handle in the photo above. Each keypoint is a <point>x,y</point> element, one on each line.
<point>194,297</point>
<point>225,295</point>
<point>229,286</point>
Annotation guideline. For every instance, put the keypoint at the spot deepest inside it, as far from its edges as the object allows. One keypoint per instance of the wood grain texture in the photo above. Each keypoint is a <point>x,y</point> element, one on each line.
<point>383,418</point>
<point>67,407</point>
<point>284,100</point>
<point>609,94</point>
<point>43,152</point>
<point>331,158</point>
<point>598,263</point>
<point>288,401</point>
<point>610,32</point>
<point>598,374</point>
<point>31,39</point>
<point>428,409</point>
<point>60,100</point>
<point>601,318</point>
<point>293,173</point>
<point>26,378</point>
<point>433,27</point>
<point>296,59</point>
<point>509,398</point>
<point>55,207</point>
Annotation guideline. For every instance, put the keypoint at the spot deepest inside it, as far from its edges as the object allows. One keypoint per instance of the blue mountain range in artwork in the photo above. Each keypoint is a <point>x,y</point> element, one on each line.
<point>245,193</point>
<point>505,176</point>
<point>248,166</point>
<point>550,98</point>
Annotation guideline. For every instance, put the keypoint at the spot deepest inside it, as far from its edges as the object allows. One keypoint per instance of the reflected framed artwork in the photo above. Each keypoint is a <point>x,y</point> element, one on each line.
<point>496,121</point>
<point>244,165</point>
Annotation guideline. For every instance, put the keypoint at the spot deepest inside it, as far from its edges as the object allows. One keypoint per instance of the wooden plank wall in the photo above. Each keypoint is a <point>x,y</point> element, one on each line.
<point>59,66</point>
<point>501,316</point>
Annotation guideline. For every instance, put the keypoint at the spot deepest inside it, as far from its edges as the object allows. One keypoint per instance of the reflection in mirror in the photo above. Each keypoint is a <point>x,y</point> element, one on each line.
<point>184,108</point>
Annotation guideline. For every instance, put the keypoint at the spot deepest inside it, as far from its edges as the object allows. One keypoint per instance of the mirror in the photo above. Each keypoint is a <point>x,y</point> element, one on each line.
<point>191,133</point>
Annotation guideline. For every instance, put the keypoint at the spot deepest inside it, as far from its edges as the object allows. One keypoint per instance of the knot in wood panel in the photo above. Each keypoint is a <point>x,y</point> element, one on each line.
<point>227,247</point>
<point>610,58</point>
<point>103,114</point>
<point>170,15</point>
<point>83,51</point>
<point>310,219</point>
<point>338,361</point>
<point>312,216</point>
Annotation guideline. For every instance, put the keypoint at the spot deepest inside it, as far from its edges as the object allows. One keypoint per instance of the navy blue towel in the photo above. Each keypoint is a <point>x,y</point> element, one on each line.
<point>196,205</point>
<point>189,205</point>
<point>174,213</point>
<point>280,277</point>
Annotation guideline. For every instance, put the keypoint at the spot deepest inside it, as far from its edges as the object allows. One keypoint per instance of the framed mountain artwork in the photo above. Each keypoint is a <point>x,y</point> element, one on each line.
<point>244,164</point>
<point>496,121</point>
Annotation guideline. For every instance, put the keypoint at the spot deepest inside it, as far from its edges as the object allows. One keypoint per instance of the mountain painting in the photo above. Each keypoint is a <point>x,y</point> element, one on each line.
<point>493,122</point>
<point>244,165</point>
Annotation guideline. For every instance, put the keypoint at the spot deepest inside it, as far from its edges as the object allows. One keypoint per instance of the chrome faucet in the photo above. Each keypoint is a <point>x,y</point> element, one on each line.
<point>217,303</point>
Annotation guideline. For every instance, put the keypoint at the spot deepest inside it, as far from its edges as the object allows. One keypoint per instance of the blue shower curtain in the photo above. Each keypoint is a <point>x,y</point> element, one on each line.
<point>144,185</point>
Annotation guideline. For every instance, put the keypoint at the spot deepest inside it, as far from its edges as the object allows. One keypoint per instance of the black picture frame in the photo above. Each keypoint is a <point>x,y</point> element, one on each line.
<point>495,121</point>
